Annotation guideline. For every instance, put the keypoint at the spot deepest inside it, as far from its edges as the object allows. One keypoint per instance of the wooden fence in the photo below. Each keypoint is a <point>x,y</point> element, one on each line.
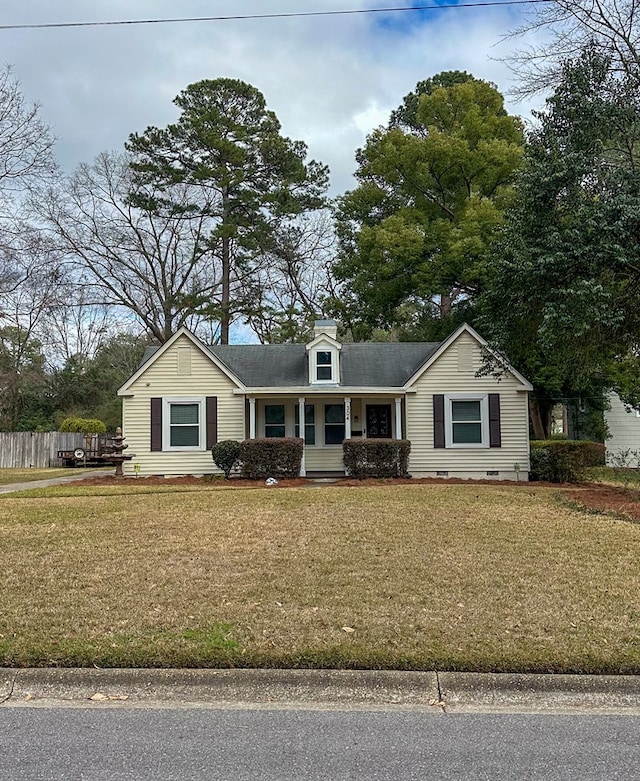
<point>24,449</point>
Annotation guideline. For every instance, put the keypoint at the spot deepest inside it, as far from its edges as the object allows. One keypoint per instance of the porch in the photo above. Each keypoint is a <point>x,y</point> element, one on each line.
<point>328,420</point>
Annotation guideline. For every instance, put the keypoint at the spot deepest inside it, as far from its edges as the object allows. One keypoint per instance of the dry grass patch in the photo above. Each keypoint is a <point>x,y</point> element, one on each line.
<point>8,476</point>
<point>417,577</point>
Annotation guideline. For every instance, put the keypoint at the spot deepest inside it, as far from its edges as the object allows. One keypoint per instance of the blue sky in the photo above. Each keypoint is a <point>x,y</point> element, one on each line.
<point>331,80</point>
<point>408,21</point>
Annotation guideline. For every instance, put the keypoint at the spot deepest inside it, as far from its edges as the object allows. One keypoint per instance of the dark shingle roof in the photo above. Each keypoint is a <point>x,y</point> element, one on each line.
<point>365,364</point>
<point>383,364</point>
<point>265,365</point>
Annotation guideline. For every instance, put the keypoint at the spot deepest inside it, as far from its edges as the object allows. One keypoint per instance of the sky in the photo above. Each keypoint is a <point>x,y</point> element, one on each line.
<point>330,80</point>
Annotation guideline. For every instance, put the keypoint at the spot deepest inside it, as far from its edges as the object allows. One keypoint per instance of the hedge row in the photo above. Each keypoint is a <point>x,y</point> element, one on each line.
<point>270,457</point>
<point>376,457</point>
<point>83,426</point>
<point>564,461</point>
<point>258,459</point>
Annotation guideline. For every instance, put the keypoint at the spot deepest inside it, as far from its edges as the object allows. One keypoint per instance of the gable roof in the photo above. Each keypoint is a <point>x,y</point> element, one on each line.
<point>443,346</point>
<point>363,364</point>
<point>151,355</point>
<point>323,339</point>
<point>383,364</point>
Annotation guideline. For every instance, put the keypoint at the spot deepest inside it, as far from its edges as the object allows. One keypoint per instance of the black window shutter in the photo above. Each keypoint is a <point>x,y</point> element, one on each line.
<point>495,438</point>
<point>212,421</point>
<point>438,420</point>
<point>156,425</point>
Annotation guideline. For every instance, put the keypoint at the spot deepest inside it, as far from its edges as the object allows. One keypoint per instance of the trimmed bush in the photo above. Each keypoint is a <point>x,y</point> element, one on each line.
<point>271,457</point>
<point>564,461</point>
<point>226,455</point>
<point>376,457</point>
<point>83,426</point>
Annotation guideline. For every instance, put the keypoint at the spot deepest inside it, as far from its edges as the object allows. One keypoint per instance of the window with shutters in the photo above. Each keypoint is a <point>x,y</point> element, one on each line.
<point>184,424</point>
<point>466,420</point>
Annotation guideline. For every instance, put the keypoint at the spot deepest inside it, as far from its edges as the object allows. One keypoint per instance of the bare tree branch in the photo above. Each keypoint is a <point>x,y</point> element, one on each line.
<point>155,264</point>
<point>568,26</point>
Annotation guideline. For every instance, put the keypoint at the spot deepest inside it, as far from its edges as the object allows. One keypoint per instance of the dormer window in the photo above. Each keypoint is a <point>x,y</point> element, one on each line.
<point>323,354</point>
<point>324,366</point>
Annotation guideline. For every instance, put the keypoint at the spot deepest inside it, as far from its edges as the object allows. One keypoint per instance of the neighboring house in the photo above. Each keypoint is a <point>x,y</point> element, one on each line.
<point>186,396</point>
<point>623,425</point>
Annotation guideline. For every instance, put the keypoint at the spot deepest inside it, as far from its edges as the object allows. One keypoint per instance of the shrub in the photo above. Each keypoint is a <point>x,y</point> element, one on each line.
<point>271,457</point>
<point>376,457</point>
<point>564,461</point>
<point>226,455</point>
<point>83,426</point>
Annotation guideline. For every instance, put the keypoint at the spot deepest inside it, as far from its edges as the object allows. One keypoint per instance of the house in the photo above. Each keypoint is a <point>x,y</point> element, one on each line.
<point>185,396</point>
<point>623,426</point>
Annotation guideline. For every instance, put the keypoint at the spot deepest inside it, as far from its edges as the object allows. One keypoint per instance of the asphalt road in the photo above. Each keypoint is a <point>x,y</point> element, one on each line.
<point>196,743</point>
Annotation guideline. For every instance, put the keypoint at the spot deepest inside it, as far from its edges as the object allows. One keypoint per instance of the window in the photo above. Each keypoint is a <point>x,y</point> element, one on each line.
<point>184,424</point>
<point>323,361</point>
<point>333,424</point>
<point>467,421</point>
<point>274,425</point>
<point>324,369</point>
<point>309,423</point>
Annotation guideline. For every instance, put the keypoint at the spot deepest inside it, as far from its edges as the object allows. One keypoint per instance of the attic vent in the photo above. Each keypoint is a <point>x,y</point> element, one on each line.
<point>465,356</point>
<point>184,361</point>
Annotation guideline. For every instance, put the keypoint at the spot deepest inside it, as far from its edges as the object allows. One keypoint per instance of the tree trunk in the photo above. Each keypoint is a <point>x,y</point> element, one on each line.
<point>540,414</point>
<point>225,318</point>
<point>445,305</point>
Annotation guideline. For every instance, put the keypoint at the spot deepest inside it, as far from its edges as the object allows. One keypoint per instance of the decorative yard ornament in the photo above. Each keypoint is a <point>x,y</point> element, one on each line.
<point>116,455</point>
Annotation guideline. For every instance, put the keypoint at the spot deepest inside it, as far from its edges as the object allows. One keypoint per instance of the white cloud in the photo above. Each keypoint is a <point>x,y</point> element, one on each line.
<point>330,80</point>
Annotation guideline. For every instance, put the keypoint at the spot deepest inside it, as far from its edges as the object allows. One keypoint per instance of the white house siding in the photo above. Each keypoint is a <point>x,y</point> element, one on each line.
<point>324,459</point>
<point>455,372</point>
<point>166,378</point>
<point>624,429</point>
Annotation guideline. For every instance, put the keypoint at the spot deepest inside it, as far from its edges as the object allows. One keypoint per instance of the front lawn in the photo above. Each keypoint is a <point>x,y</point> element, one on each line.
<point>457,577</point>
<point>9,476</point>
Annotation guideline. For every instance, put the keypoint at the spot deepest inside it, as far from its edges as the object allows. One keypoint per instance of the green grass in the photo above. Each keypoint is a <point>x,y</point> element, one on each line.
<point>458,577</point>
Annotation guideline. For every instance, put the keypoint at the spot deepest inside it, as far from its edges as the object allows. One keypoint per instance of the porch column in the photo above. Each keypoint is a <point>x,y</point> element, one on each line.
<point>303,430</point>
<point>398,417</point>
<point>347,418</point>
<point>252,417</point>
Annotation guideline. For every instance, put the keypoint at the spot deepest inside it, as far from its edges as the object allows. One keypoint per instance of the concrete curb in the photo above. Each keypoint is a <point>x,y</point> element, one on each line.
<point>559,693</point>
<point>330,689</point>
<point>273,688</point>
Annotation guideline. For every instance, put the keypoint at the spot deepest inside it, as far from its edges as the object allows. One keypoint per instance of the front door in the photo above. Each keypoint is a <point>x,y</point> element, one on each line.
<point>379,421</point>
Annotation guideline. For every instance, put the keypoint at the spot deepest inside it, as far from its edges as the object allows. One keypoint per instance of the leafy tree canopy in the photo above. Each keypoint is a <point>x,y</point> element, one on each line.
<point>246,177</point>
<point>563,300</point>
<point>432,188</point>
<point>86,387</point>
